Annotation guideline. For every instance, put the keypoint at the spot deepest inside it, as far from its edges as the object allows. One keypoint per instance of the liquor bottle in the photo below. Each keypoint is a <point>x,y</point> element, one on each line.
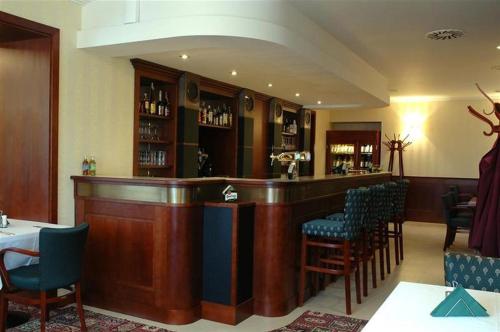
<point>224,115</point>
<point>209,115</point>
<point>161,104</point>
<point>85,166</point>
<point>167,105</point>
<point>152,99</point>
<point>230,119</point>
<point>146,103</point>
<point>142,104</point>
<point>92,166</point>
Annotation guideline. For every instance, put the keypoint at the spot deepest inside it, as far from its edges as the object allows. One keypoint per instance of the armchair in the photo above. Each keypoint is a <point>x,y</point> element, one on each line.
<point>60,257</point>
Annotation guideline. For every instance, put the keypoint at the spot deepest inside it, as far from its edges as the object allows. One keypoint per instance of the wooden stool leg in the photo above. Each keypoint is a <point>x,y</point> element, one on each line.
<point>302,283</point>
<point>43,310</point>
<point>79,307</point>
<point>388,248</point>
<point>401,240</point>
<point>347,276</point>
<point>396,242</point>
<point>374,263</point>
<point>357,274</point>
<point>364,259</point>
<point>381,250</point>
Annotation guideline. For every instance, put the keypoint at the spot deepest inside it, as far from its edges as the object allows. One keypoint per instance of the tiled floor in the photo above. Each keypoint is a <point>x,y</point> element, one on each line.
<point>423,263</point>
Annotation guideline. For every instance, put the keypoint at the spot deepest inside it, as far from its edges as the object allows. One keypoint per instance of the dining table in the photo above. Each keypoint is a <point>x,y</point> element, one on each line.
<point>409,306</point>
<point>21,234</point>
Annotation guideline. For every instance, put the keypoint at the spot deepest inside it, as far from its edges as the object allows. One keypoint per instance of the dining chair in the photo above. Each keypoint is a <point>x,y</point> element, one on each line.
<point>456,220</point>
<point>472,271</point>
<point>60,260</point>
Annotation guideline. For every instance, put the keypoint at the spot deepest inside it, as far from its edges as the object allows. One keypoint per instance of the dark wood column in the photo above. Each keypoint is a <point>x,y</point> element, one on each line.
<point>246,106</point>
<point>187,126</point>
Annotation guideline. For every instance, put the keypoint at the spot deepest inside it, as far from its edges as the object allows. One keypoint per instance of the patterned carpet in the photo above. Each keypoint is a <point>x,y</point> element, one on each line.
<point>311,321</point>
<point>66,320</point>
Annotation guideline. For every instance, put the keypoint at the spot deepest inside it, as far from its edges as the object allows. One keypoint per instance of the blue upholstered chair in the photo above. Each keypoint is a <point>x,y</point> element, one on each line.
<point>398,217</point>
<point>61,254</point>
<point>472,271</point>
<point>455,220</point>
<point>341,234</point>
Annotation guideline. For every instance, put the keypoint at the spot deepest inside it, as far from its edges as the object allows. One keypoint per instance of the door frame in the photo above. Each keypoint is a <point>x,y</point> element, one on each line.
<point>44,31</point>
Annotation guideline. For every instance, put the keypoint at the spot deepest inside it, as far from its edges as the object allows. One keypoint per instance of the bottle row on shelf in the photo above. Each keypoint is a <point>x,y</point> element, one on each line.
<point>152,158</point>
<point>149,131</point>
<point>219,115</point>
<point>290,126</point>
<point>342,148</point>
<point>366,148</point>
<point>288,143</point>
<point>89,166</point>
<point>154,104</point>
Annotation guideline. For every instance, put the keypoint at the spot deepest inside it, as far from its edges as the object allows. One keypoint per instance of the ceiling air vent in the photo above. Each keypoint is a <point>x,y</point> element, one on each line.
<point>445,34</point>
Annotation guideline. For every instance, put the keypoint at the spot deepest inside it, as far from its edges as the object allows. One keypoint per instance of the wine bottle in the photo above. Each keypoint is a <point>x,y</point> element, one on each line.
<point>230,119</point>
<point>146,103</point>
<point>142,104</point>
<point>92,166</point>
<point>209,115</point>
<point>85,166</point>
<point>167,109</point>
<point>152,99</point>
<point>161,104</point>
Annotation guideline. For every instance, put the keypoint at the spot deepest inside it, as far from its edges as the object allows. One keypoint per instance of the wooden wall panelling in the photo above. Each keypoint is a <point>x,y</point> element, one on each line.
<point>29,118</point>
<point>424,202</point>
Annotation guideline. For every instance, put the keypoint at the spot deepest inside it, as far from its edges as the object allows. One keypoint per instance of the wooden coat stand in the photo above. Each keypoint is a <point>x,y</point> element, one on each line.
<point>397,145</point>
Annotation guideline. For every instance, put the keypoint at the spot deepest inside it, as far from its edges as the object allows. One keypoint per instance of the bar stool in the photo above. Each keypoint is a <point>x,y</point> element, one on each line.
<point>399,218</point>
<point>367,250</point>
<point>338,242</point>
<point>382,233</point>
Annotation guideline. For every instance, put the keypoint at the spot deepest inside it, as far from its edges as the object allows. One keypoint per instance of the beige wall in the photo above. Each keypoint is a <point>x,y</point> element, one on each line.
<point>322,125</point>
<point>447,140</point>
<point>95,98</point>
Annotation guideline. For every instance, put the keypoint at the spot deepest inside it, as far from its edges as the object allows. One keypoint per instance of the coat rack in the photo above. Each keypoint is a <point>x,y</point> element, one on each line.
<point>397,144</point>
<point>496,110</point>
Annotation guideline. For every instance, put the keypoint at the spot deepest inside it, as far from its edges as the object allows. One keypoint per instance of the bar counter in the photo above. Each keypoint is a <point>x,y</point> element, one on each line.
<point>144,251</point>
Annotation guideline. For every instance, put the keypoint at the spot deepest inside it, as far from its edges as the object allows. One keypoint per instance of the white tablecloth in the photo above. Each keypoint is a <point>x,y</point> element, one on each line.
<point>21,234</point>
<point>409,306</point>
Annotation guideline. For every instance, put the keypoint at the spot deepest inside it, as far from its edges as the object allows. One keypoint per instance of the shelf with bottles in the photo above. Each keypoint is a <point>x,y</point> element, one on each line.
<point>366,149</point>
<point>216,111</point>
<point>342,149</point>
<point>289,143</point>
<point>155,99</point>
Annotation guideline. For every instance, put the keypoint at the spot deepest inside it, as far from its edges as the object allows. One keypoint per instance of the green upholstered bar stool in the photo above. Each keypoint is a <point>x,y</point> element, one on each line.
<point>383,230</point>
<point>61,255</point>
<point>336,240</point>
<point>398,218</point>
<point>368,248</point>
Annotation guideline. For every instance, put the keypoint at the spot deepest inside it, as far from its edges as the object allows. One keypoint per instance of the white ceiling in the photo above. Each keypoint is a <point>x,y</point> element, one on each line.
<point>390,36</point>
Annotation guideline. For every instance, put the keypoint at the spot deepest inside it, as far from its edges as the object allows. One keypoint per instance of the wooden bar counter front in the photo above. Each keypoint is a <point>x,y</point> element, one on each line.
<point>144,251</point>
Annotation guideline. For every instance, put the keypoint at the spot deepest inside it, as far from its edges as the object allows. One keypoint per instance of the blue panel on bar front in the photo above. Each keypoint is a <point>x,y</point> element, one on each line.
<point>217,248</point>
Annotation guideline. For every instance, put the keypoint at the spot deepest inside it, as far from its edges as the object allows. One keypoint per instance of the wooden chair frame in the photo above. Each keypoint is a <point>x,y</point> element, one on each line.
<point>44,300</point>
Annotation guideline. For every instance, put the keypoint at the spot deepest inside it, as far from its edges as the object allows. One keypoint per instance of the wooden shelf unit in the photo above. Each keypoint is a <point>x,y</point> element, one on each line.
<point>154,135</point>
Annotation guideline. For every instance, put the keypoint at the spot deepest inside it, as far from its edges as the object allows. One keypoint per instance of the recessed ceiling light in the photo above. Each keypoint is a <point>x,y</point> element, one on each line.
<point>319,102</point>
<point>297,94</point>
<point>184,56</point>
<point>498,47</point>
<point>234,73</point>
<point>270,85</point>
